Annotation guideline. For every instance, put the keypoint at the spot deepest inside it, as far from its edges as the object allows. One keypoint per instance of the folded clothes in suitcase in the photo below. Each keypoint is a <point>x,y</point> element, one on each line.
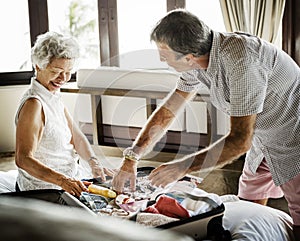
<point>181,207</point>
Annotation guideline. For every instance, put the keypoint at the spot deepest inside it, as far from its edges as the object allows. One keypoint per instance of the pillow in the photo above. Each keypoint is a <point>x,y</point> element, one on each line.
<point>8,181</point>
<point>250,221</point>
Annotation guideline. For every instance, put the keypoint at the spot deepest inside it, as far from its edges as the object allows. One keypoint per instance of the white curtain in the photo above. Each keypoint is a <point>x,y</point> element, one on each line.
<point>258,17</point>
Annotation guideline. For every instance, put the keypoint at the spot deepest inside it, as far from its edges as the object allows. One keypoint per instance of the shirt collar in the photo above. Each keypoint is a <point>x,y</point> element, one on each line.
<point>214,54</point>
<point>35,85</point>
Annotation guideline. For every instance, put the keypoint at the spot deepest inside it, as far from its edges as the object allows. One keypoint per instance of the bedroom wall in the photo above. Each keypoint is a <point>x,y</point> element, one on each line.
<point>9,101</point>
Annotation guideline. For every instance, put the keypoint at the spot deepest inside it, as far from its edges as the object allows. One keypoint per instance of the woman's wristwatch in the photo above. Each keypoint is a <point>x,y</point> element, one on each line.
<point>129,154</point>
<point>93,160</point>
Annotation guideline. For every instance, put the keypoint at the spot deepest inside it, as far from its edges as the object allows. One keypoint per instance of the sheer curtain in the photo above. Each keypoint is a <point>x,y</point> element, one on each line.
<point>258,17</point>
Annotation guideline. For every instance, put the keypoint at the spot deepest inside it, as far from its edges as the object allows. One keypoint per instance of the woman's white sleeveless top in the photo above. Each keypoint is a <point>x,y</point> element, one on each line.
<point>54,149</point>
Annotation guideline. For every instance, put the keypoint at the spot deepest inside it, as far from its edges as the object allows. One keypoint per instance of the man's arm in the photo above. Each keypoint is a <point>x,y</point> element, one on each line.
<point>160,120</point>
<point>228,148</point>
<point>220,153</point>
<point>152,132</point>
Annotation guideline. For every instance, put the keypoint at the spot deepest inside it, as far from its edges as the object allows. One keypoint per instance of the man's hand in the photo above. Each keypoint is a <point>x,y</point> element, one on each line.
<point>168,173</point>
<point>127,172</point>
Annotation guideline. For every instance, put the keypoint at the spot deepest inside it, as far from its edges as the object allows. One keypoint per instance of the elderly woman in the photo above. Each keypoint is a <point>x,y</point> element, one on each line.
<point>48,143</point>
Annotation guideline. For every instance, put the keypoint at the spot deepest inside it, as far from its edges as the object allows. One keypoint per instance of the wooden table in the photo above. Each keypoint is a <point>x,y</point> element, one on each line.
<point>150,96</point>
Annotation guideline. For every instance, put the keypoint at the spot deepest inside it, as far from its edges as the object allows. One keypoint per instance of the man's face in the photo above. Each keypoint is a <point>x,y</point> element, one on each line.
<point>173,59</point>
<point>180,62</point>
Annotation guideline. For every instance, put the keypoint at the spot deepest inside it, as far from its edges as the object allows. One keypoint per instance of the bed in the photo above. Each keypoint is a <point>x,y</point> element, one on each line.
<point>246,221</point>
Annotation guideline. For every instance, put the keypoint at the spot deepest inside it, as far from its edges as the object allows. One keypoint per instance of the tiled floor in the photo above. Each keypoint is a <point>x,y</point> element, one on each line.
<point>219,181</point>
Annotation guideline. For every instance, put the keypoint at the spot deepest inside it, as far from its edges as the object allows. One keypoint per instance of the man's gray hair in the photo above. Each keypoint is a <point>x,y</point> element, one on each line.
<point>52,45</point>
<point>183,32</point>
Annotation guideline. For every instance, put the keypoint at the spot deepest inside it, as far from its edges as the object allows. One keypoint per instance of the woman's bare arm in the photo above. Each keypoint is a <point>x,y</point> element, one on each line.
<point>28,134</point>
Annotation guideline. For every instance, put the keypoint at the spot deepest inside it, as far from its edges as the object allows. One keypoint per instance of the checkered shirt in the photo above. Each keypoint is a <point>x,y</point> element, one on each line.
<point>245,76</point>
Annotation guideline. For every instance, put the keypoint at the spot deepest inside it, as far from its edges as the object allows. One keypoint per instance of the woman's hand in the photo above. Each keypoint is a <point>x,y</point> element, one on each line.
<point>127,172</point>
<point>168,173</point>
<point>99,171</point>
<point>73,186</point>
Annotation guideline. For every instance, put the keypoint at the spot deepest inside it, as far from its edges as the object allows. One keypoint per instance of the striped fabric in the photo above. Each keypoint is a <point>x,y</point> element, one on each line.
<point>245,76</point>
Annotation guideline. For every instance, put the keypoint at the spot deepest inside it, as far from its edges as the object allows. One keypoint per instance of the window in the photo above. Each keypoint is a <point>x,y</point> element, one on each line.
<point>210,14</point>
<point>79,19</point>
<point>136,19</point>
<point>136,50</point>
<point>15,37</point>
<point>22,21</point>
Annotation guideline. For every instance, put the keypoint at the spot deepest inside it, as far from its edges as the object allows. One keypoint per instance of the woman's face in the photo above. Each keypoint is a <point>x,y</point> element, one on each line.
<point>57,73</point>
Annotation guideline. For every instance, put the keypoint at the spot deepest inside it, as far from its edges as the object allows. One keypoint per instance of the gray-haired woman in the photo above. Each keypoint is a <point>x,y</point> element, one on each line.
<point>48,142</point>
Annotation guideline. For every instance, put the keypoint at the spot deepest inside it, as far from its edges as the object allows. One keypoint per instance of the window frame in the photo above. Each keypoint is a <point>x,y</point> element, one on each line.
<point>108,33</point>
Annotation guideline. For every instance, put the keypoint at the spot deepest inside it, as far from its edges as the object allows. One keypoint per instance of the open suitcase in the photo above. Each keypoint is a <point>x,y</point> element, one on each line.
<point>203,226</point>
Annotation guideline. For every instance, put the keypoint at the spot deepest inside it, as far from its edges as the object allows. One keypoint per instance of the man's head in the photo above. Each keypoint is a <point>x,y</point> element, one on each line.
<point>183,41</point>
<point>184,33</point>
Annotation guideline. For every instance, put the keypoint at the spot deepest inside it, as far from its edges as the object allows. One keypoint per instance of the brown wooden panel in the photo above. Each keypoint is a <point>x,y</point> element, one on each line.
<point>173,141</point>
<point>108,32</point>
<point>103,32</point>
<point>38,18</point>
<point>174,4</point>
<point>113,33</point>
<point>297,30</point>
<point>291,30</point>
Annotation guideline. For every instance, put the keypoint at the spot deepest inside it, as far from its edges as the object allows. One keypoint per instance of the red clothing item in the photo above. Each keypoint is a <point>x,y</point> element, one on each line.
<point>168,206</point>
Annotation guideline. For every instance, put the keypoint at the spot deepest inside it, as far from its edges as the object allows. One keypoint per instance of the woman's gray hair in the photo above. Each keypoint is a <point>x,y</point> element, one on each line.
<point>52,45</point>
<point>183,32</point>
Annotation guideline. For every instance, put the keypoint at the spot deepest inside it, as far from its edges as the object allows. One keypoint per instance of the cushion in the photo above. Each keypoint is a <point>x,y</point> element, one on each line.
<point>250,221</point>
